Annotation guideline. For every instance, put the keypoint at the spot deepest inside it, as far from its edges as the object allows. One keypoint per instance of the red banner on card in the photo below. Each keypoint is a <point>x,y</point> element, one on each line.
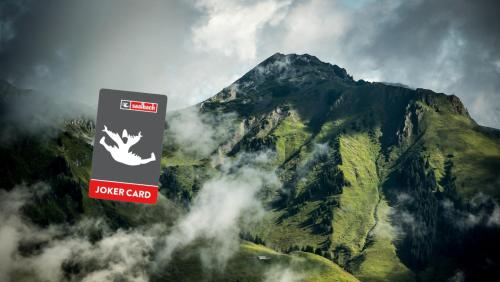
<point>120,191</point>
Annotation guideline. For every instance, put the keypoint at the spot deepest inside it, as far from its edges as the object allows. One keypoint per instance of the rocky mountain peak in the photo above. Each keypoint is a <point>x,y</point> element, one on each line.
<point>304,79</point>
<point>291,66</point>
<point>290,70</point>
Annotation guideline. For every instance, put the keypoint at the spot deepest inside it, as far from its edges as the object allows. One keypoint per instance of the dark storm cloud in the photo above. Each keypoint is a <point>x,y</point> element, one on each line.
<point>448,46</point>
<point>72,48</point>
<point>192,49</point>
<point>10,11</point>
<point>451,46</point>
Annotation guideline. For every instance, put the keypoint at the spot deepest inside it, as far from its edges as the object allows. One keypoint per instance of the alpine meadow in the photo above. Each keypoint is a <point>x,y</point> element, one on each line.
<point>294,172</point>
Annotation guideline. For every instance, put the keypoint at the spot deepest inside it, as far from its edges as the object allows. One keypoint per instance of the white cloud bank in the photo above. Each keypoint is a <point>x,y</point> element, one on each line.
<point>226,202</point>
<point>65,252</point>
<point>222,205</point>
<point>232,27</point>
<point>283,274</point>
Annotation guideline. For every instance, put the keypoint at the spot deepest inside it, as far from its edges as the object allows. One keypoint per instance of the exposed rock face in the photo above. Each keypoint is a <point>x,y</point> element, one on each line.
<point>457,105</point>
<point>411,125</point>
<point>441,101</point>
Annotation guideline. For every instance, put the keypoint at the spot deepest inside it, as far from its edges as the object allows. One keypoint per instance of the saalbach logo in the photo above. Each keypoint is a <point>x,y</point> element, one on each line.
<point>130,105</point>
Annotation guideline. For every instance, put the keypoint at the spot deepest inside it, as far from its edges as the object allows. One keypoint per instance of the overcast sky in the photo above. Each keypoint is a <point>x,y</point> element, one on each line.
<point>190,50</point>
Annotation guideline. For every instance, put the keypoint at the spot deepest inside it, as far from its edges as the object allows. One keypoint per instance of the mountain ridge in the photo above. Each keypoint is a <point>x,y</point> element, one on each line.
<point>380,180</point>
<point>293,69</point>
<point>419,133</point>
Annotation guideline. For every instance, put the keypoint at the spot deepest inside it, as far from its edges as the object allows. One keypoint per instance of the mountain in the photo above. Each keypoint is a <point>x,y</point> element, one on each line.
<point>379,182</point>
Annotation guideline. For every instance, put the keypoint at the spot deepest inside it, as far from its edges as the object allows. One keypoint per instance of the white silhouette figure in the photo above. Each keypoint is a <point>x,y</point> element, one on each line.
<point>122,153</point>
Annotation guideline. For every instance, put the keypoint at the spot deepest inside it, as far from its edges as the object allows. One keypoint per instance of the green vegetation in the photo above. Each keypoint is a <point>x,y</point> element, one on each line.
<point>281,231</point>
<point>475,153</point>
<point>353,157</point>
<point>290,134</point>
<point>245,265</point>
<point>379,261</point>
<point>355,217</point>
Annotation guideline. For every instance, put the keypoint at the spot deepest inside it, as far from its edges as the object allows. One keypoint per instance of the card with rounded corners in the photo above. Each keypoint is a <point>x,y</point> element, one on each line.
<point>128,146</point>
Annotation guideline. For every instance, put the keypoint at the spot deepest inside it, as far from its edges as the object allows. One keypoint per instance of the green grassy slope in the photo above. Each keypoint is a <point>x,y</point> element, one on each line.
<point>475,153</point>
<point>379,260</point>
<point>245,266</point>
<point>352,156</point>
<point>354,218</point>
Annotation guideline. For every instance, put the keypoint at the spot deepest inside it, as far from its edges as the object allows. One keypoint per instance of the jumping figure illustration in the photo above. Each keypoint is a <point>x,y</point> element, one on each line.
<point>122,153</point>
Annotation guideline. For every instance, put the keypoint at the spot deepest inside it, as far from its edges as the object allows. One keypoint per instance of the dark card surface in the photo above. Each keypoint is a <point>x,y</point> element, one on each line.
<point>128,146</point>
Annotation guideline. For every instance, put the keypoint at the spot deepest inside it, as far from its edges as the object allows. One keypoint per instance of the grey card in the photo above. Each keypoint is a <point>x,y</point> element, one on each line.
<point>128,146</point>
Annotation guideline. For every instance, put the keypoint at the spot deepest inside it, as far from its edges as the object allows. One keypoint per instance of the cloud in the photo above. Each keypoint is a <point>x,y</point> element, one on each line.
<point>220,207</point>
<point>494,218</point>
<point>14,230</point>
<point>404,198</point>
<point>319,151</point>
<point>389,226</point>
<point>315,23</point>
<point>127,46</point>
<point>28,113</point>
<point>228,201</point>
<point>200,133</point>
<point>459,276</point>
<point>225,203</point>
<point>282,274</point>
<point>278,68</point>
<point>398,222</point>
<point>481,211</point>
<point>61,252</point>
<point>122,255</point>
<point>231,27</point>
<point>191,50</point>
<point>10,11</point>
<point>442,45</point>
<point>11,227</point>
<point>447,46</point>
